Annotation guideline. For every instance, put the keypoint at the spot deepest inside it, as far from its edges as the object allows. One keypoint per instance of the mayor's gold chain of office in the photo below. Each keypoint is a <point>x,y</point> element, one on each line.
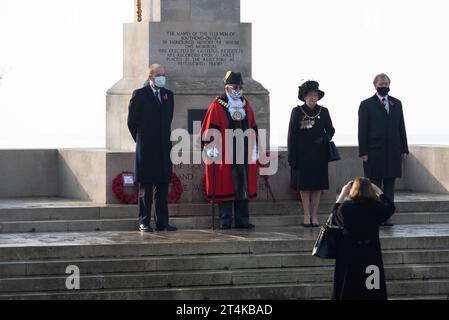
<point>312,117</point>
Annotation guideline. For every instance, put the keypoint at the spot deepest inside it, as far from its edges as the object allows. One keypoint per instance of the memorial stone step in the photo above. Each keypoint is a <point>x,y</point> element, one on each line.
<point>201,264</point>
<point>65,215</point>
<point>401,289</point>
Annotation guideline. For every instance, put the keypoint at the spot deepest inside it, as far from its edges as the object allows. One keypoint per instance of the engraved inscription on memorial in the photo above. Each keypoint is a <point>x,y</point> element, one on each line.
<point>208,49</point>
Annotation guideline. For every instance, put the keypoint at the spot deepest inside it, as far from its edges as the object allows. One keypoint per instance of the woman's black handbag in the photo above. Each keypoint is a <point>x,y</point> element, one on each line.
<point>326,246</point>
<point>334,155</point>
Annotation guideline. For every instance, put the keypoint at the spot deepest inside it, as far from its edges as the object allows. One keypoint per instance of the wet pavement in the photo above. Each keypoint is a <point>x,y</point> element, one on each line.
<point>201,236</point>
<point>195,236</point>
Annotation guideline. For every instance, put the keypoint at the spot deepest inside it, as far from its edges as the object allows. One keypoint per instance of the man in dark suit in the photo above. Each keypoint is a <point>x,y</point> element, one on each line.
<point>382,137</point>
<point>149,122</point>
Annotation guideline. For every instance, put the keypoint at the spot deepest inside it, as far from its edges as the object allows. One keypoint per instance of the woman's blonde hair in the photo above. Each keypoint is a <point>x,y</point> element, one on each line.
<point>362,189</point>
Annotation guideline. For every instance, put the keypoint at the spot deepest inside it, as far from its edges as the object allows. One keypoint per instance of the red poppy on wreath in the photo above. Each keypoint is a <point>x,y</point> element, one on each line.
<point>119,191</point>
<point>176,190</point>
<point>165,97</point>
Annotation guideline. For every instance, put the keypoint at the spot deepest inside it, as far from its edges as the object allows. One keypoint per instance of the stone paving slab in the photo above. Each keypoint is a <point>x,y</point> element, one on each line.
<point>401,288</point>
<point>201,236</point>
<point>139,280</point>
<point>208,262</point>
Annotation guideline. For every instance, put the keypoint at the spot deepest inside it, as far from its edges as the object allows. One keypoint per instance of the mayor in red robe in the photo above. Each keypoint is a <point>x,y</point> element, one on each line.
<point>235,162</point>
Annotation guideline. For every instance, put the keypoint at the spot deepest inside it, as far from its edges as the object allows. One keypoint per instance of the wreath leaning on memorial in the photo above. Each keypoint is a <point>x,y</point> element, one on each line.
<point>176,189</point>
<point>119,190</point>
<point>126,198</point>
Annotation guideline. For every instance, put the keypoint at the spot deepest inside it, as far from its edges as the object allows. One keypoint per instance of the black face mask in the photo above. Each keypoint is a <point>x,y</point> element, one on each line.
<point>383,91</point>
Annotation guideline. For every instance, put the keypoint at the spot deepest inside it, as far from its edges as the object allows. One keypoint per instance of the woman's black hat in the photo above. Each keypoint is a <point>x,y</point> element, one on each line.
<point>233,78</point>
<point>310,86</point>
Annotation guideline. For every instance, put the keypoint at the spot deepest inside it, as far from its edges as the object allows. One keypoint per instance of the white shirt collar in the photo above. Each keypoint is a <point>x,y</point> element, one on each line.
<point>380,97</point>
<point>154,89</point>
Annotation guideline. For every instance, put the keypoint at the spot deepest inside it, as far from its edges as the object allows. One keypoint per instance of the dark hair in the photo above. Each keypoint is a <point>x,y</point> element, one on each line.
<point>362,189</point>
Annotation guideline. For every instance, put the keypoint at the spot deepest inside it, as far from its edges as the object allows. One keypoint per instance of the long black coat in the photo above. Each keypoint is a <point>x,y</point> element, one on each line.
<point>149,123</point>
<point>382,136</point>
<point>308,149</point>
<point>360,248</point>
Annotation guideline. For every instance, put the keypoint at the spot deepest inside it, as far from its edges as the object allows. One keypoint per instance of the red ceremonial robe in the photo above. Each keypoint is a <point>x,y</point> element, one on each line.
<point>218,118</point>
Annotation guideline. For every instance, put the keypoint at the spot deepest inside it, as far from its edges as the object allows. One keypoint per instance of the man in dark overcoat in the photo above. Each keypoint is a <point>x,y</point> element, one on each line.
<point>149,122</point>
<point>382,137</point>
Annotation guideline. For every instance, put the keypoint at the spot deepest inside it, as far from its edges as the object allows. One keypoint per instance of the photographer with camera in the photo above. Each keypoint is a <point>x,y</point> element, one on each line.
<point>360,209</point>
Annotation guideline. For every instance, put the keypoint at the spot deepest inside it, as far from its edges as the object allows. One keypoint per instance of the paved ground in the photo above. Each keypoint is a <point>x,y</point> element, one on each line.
<point>195,236</point>
<point>198,236</point>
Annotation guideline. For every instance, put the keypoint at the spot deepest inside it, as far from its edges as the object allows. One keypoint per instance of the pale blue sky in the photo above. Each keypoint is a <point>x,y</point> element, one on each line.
<point>60,58</point>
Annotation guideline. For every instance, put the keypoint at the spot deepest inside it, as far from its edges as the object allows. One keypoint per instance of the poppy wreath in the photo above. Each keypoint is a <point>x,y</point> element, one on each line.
<point>120,193</point>
<point>176,189</point>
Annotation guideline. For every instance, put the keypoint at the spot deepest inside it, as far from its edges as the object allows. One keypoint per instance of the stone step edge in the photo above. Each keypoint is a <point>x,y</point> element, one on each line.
<point>286,216</point>
<point>420,298</point>
<point>400,205</point>
<point>212,256</point>
<point>315,270</point>
<point>216,288</point>
<point>215,242</point>
<point>200,217</point>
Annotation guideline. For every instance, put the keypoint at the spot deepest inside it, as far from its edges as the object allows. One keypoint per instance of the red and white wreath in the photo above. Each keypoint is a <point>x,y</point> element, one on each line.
<point>124,197</point>
<point>119,190</point>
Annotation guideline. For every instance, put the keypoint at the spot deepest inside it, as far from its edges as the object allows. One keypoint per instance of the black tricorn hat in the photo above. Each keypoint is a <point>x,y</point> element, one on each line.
<point>233,78</point>
<point>310,86</point>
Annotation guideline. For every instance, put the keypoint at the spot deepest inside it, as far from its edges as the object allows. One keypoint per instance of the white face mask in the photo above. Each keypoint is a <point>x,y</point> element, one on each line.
<point>160,82</point>
<point>236,94</point>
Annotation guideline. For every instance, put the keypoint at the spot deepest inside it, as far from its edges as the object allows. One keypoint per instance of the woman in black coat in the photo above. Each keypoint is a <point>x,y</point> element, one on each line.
<point>309,133</point>
<point>359,271</point>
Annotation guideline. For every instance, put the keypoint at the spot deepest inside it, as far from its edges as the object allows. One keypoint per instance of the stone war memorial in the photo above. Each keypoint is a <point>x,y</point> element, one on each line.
<point>65,234</point>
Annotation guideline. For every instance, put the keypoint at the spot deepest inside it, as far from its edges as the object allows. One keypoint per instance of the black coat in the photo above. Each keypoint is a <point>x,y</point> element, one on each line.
<point>149,123</point>
<point>360,248</point>
<point>308,149</point>
<point>382,136</point>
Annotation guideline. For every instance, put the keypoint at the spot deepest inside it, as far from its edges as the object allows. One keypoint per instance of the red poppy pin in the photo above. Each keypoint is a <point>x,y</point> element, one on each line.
<point>165,98</point>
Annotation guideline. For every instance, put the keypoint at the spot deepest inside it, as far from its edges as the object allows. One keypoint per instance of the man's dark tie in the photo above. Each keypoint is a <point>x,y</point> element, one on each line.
<point>384,102</point>
<point>158,97</point>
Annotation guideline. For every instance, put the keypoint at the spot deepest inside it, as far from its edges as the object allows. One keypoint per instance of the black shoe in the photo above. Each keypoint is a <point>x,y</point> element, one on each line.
<point>246,226</point>
<point>225,227</point>
<point>171,229</point>
<point>144,228</point>
<point>167,228</point>
<point>307,225</point>
<point>315,225</point>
